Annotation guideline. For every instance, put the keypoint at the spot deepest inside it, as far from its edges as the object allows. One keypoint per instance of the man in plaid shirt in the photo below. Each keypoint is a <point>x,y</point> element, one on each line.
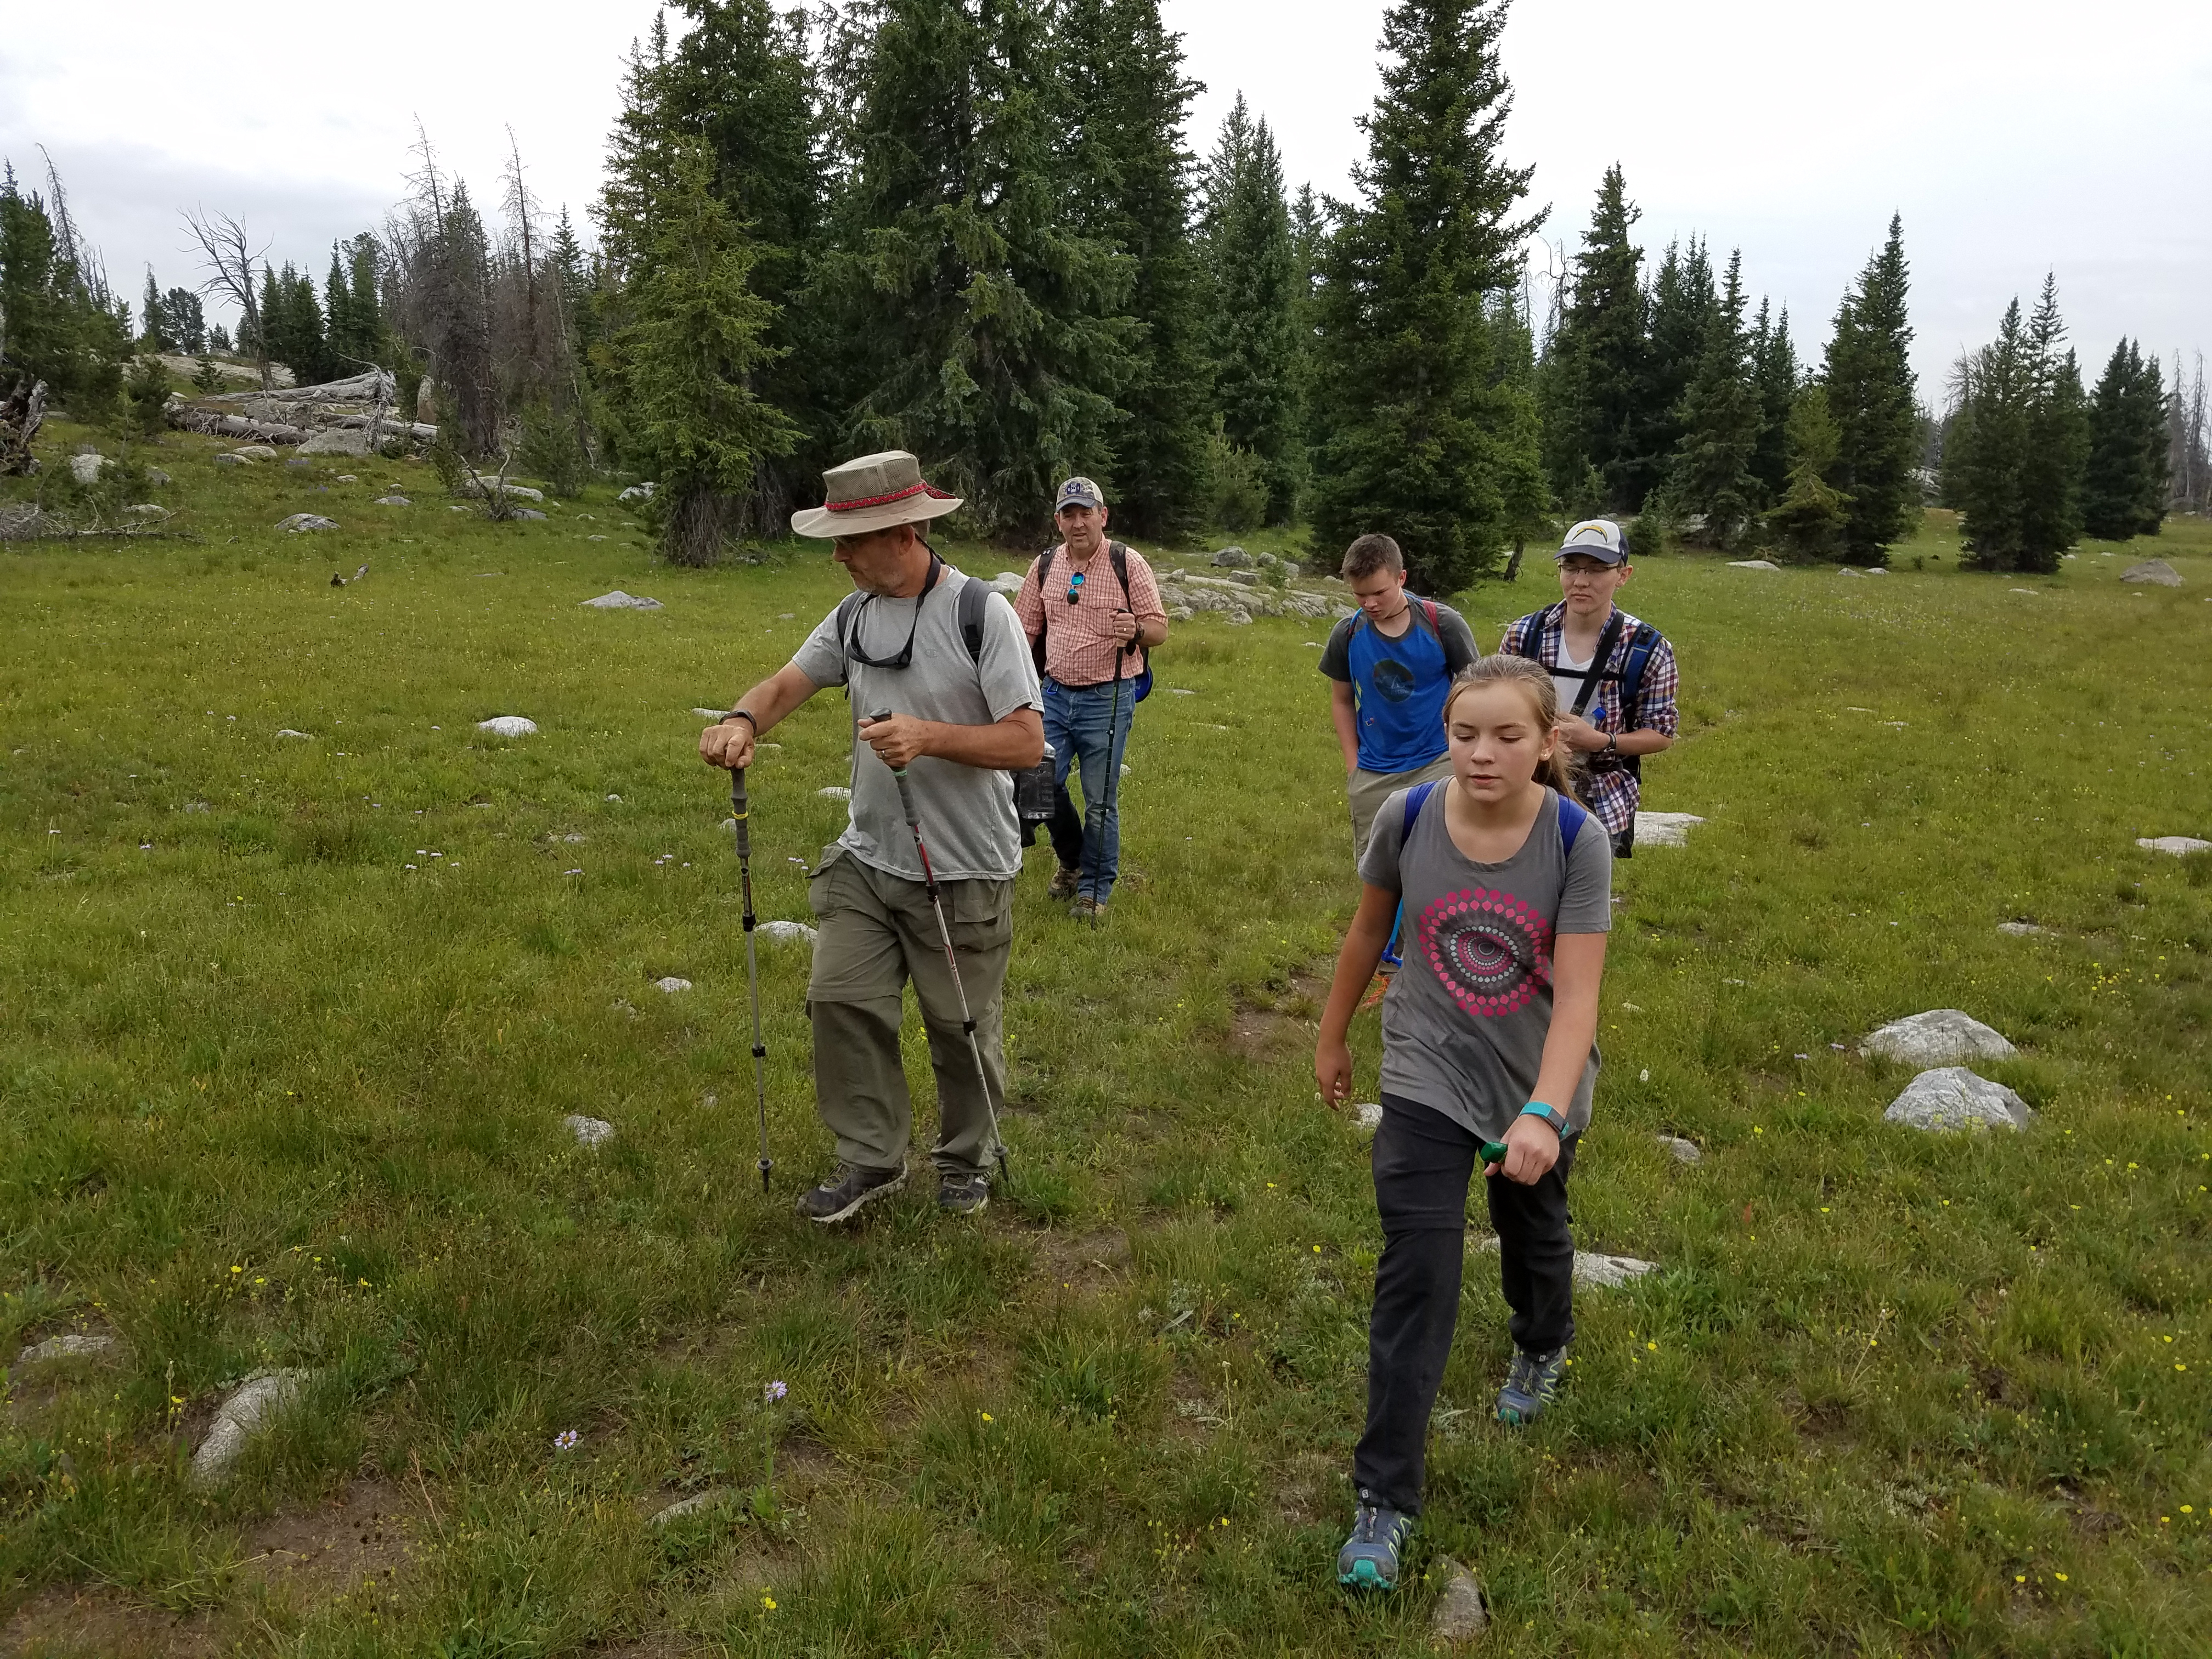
<point>1615,674</point>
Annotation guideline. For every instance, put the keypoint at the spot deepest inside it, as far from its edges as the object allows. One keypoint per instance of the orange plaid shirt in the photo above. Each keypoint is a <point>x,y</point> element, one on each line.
<point>1078,638</point>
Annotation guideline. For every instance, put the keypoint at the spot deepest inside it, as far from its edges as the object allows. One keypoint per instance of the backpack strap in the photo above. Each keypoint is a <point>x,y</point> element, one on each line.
<point>1572,816</point>
<point>1640,645</point>
<point>974,600</point>
<point>1415,799</point>
<point>847,608</point>
<point>1531,644</point>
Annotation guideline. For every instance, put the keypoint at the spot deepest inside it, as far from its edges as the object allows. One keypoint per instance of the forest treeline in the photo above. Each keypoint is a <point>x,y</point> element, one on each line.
<point>975,229</point>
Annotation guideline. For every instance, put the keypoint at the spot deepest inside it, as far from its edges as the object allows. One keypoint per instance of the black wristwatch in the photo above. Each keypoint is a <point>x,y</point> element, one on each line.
<point>741,714</point>
<point>1612,744</point>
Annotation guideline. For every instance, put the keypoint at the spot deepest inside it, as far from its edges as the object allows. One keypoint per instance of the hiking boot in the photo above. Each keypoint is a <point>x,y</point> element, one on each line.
<point>1087,908</point>
<point>1530,1383</point>
<point>963,1194</point>
<point>850,1190</point>
<point>1063,883</point>
<point>1369,1557</point>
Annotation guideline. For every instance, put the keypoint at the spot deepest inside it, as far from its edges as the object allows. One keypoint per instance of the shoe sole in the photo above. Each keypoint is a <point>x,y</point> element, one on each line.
<point>861,1202</point>
<point>1365,1576</point>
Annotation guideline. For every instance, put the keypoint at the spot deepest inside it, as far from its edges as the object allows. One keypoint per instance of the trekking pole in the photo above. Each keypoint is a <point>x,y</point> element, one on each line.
<point>1113,776</point>
<point>745,837</point>
<point>951,960</point>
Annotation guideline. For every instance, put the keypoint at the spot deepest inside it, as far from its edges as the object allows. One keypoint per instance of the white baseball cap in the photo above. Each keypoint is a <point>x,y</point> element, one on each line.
<point>1597,538</point>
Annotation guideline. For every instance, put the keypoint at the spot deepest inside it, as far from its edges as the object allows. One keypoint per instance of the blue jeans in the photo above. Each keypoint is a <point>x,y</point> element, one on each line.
<point>1076,721</point>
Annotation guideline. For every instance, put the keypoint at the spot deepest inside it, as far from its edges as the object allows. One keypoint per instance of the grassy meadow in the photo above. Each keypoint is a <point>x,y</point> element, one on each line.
<point>289,1027</point>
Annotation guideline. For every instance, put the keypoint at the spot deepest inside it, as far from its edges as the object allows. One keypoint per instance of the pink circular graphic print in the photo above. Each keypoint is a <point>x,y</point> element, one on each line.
<point>1491,951</point>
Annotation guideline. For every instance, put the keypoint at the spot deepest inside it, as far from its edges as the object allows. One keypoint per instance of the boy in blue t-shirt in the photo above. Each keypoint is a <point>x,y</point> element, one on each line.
<point>1392,664</point>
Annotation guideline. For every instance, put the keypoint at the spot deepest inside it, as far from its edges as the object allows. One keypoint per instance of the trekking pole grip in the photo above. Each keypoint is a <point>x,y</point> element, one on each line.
<point>739,813</point>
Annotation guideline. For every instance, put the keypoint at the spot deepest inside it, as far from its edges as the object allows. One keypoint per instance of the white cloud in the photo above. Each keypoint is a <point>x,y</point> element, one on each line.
<point>2042,135</point>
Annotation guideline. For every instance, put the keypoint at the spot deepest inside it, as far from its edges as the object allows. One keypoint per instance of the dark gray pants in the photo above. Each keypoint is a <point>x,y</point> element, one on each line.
<point>1423,1163</point>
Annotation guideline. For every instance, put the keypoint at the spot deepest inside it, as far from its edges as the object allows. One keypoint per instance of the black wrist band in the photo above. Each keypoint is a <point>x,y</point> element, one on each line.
<point>741,714</point>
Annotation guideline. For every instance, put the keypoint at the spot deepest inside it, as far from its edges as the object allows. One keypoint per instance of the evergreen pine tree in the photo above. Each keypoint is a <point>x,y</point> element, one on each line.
<point>686,357</point>
<point>1720,417</point>
<point>1873,396</point>
<point>1126,97</point>
<point>337,313</point>
<point>1420,415</point>
<point>1594,372</point>
<point>1986,454</point>
<point>1679,308</point>
<point>1252,330</point>
<point>1807,521</point>
<point>1309,237</point>
<point>986,323</point>
<point>1774,371</point>
<point>2057,441</point>
<point>183,321</point>
<point>2123,490</point>
<point>52,327</point>
<point>155,334</point>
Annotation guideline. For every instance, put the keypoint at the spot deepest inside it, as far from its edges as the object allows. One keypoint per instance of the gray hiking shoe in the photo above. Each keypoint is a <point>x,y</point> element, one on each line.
<point>1530,1383</point>
<point>849,1191</point>
<point>963,1194</point>
<point>1087,908</point>
<point>1370,1556</point>
<point>1063,883</point>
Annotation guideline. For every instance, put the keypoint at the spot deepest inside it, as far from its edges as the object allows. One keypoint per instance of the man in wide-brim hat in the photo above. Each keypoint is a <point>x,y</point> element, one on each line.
<point>962,720</point>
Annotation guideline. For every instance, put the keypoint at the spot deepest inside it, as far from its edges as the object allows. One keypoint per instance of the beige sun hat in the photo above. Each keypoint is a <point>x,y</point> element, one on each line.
<point>873,493</point>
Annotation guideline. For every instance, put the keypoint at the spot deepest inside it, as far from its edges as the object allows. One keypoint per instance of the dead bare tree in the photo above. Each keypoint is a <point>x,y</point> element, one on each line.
<point>2189,466</point>
<point>228,256</point>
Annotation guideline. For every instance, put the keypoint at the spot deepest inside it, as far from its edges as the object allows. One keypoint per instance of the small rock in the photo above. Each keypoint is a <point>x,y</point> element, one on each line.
<point>1237,617</point>
<point>1609,1272</point>
<point>2156,571</point>
<point>86,469</point>
<point>143,509</point>
<point>394,500</point>
<point>637,492</point>
<point>74,1345</point>
<point>299,522</point>
<point>588,1131</point>
<point>2179,846</point>
<point>1125,769</point>
<point>304,467</point>
<point>710,713</point>
<point>346,478</point>
<point>1179,691</point>
<point>337,441</point>
<point>1461,1615</point>
<point>1367,1116</point>
<point>835,792</point>
<point>1233,558</point>
<point>526,512</point>
<point>1665,828</point>
<point>1683,1152</point>
<point>158,478</point>
<point>229,460</point>
<point>1754,564</point>
<point>509,725</point>
<point>287,731</point>
<point>672,985</point>
<point>1180,613</point>
<point>1953,1097</point>
<point>694,1504</point>
<point>2021,929</point>
<point>1942,1037</point>
<point>619,600</point>
<point>255,452</point>
<point>1008,582</point>
<point>786,932</point>
<point>1847,571</point>
<point>255,1400</point>
<point>488,486</point>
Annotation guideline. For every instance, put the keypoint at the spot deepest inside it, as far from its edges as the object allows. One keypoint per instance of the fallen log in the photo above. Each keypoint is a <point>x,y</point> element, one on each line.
<point>373,387</point>
<point>191,417</point>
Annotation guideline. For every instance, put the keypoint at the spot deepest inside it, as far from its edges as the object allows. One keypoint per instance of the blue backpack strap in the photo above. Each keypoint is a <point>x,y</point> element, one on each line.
<point>1415,799</point>
<point>1572,819</point>
<point>1645,641</point>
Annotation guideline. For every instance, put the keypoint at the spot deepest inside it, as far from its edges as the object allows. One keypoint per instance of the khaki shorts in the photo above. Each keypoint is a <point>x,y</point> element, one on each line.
<point>1367,791</point>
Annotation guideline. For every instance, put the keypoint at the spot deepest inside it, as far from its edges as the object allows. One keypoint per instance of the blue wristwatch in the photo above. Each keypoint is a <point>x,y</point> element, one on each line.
<point>1550,1115</point>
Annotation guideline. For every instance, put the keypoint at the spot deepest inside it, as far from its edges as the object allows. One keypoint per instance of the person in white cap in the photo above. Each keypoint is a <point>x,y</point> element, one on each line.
<point>1616,676</point>
<point>957,673</point>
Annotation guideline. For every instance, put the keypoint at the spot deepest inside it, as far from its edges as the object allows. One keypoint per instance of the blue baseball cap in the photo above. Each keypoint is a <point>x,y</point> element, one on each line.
<point>1079,492</point>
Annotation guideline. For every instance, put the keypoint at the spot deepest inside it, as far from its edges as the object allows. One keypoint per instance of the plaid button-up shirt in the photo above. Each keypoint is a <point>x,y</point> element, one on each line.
<point>1610,793</point>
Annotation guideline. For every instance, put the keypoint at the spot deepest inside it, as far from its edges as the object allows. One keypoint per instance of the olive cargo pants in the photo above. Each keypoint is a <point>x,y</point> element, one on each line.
<point>878,932</point>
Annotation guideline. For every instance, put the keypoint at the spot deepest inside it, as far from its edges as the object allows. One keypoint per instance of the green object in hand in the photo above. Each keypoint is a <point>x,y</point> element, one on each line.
<point>1493,1151</point>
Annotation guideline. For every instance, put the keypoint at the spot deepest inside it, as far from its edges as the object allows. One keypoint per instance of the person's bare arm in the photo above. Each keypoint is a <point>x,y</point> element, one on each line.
<point>1355,966</point>
<point>729,745</point>
<point>1010,745</point>
<point>1532,1146</point>
<point>1344,713</point>
<point>1579,734</point>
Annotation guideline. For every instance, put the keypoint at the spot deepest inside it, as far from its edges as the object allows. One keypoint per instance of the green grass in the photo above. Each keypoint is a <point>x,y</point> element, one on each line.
<point>271,1097</point>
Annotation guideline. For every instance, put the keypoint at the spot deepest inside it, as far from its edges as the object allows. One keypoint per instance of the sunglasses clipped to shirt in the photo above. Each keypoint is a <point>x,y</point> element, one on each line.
<point>1075,588</point>
<point>905,657</point>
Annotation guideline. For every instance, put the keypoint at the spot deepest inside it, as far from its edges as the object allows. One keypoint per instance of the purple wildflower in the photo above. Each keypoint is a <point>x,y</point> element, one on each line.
<point>565,1440</point>
<point>774,1391</point>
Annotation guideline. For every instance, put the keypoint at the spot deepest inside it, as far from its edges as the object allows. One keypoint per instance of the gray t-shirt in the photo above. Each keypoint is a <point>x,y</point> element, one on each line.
<point>966,811</point>
<point>1465,1018</point>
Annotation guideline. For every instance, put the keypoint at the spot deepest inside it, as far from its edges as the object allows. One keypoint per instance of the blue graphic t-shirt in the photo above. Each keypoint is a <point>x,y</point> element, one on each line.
<point>1398,685</point>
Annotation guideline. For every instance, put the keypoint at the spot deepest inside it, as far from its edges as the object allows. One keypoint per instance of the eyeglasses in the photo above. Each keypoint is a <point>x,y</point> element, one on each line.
<point>905,658</point>
<point>1075,588</point>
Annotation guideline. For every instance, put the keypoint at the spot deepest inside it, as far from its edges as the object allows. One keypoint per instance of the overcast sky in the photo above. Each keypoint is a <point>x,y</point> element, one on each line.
<point>2036,135</point>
